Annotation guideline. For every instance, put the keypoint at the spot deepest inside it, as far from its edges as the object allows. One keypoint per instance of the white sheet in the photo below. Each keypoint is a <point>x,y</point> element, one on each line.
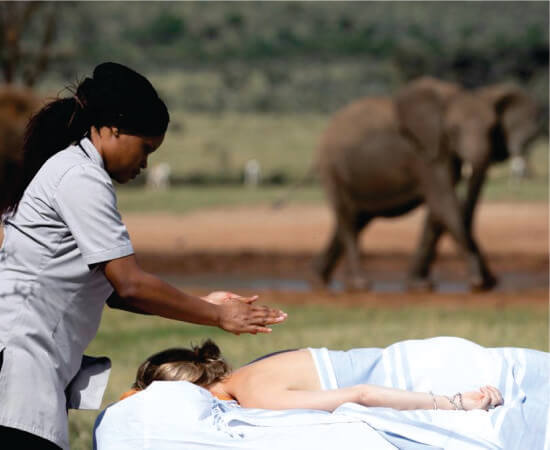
<point>179,415</point>
<point>171,415</point>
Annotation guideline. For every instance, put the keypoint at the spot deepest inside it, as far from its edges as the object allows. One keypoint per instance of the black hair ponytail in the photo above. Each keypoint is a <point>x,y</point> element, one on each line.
<point>51,129</point>
<point>115,96</point>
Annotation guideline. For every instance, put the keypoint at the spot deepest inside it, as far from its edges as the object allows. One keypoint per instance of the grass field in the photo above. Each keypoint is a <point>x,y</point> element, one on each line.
<point>222,143</point>
<point>128,339</point>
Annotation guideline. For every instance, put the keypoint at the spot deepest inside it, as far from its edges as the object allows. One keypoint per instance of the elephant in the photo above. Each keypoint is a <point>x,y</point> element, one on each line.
<point>384,156</point>
<point>16,107</point>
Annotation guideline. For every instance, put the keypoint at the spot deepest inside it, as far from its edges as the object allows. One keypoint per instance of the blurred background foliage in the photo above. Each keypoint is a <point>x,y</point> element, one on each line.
<point>259,80</point>
<point>301,56</point>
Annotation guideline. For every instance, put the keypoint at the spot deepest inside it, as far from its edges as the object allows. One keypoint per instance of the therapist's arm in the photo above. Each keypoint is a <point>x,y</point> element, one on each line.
<point>142,292</point>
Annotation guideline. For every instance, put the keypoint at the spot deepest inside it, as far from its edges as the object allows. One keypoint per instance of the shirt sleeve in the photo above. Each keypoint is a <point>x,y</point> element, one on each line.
<point>85,200</point>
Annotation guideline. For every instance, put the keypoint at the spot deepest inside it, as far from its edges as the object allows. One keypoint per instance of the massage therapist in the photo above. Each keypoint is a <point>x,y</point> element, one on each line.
<point>66,252</point>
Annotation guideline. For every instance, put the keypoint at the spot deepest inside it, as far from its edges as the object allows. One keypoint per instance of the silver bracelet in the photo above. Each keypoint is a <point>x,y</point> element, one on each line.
<point>433,398</point>
<point>459,394</point>
<point>452,401</point>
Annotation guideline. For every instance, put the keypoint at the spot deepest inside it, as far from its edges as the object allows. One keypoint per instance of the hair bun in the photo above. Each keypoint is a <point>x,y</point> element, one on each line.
<point>123,81</point>
<point>202,365</point>
<point>208,351</point>
<point>111,70</point>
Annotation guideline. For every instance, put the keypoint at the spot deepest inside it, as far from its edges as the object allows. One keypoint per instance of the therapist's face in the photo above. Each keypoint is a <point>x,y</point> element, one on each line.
<point>125,155</point>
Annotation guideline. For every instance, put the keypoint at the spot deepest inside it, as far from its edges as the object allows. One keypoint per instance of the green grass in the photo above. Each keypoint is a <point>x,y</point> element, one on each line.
<point>128,339</point>
<point>535,188</point>
<point>223,143</point>
<point>183,199</point>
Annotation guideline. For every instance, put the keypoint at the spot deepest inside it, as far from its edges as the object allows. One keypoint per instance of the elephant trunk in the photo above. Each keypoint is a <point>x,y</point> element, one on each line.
<point>474,150</point>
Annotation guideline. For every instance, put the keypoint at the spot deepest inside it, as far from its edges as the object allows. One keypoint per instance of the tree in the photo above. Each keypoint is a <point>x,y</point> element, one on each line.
<point>19,61</point>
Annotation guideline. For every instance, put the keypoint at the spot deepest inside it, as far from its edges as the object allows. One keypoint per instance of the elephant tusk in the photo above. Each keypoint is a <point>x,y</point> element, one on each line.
<point>518,167</point>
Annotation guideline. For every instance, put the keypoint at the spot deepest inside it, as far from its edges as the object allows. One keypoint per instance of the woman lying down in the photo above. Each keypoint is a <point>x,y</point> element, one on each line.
<point>325,392</point>
<point>296,379</point>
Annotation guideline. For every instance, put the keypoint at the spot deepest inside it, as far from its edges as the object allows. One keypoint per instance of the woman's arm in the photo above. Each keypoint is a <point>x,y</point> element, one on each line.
<point>268,398</point>
<point>381,396</point>
<point>139,291</point>
<point>365,394</point>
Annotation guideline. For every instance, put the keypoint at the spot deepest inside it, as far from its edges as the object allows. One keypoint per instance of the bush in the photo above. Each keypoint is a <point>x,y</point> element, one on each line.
<point>166,28</point>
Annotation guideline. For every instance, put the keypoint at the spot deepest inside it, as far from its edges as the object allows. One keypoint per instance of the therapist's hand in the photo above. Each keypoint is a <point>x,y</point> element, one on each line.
<point>238,315</point>
<point>220,297</point>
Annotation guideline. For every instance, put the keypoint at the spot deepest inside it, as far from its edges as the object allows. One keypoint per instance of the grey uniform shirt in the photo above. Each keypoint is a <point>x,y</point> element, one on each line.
<point>52,291</point>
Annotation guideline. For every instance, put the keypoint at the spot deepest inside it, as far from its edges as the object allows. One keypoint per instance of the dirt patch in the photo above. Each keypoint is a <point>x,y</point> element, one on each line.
<point>259,242</point>
<point>537,298</point>
<point>262,242</point>
<point>502,228</point>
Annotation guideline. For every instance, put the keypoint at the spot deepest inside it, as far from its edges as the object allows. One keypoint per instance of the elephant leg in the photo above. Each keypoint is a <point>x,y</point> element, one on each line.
<point>343,239</point>
<point>475,183</point>
<point>425,254</point>
<point>356,279</point>
<point>325,263</point>
<point>448,211</point>
<point>431,233</point>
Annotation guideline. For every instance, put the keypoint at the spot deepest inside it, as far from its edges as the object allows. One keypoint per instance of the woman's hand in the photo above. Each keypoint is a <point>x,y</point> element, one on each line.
<point>238,315</point>
<point>486,398</point>
<point>221,297</point>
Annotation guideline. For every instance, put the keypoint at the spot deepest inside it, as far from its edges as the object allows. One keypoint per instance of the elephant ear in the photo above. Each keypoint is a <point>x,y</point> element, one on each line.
<point>506,97</point>
<point>518,115</point>
<point>420,113</point>
<point>499,94</point>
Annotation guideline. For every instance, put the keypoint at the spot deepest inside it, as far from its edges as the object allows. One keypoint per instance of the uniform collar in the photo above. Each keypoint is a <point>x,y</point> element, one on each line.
<point>89,148</point>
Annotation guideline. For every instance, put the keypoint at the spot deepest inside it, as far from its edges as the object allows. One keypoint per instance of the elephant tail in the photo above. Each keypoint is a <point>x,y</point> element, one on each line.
<point>285,197</point>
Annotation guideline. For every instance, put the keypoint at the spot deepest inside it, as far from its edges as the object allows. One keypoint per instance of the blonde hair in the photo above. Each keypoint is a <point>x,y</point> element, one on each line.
<point>201,365</point>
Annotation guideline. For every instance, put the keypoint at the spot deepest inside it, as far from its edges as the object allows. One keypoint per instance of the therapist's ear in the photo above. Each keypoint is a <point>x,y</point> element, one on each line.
<point>115,131</point>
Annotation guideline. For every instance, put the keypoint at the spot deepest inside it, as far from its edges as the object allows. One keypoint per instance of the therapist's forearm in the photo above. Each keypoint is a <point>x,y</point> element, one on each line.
<point>143,292</point>
<point>147,293</point>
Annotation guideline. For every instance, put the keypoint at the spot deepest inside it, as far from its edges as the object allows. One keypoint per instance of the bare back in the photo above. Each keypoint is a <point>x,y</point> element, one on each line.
<point>293,370</point>
<point>290,380</point>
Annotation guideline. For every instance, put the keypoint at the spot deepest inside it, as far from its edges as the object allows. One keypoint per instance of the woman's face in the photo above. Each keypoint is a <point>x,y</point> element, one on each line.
<point>124,155</point>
